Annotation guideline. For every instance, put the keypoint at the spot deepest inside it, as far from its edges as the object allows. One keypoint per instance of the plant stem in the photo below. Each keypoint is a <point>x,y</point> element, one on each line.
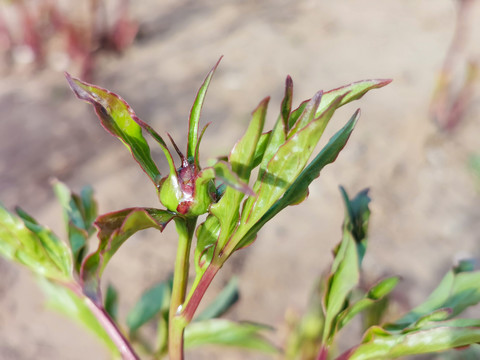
<point>177,323</point>
<point>199,291</point>
<point>123,346</point>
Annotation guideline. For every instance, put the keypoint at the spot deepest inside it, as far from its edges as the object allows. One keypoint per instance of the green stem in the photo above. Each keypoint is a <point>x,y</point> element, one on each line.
<point>177,323</point>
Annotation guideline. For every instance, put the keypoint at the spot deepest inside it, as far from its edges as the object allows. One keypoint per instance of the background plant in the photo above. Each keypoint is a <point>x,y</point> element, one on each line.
<point>47,31</point>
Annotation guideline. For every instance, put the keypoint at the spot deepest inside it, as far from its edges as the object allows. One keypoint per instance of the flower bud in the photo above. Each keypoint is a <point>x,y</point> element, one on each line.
<point>186,192</point>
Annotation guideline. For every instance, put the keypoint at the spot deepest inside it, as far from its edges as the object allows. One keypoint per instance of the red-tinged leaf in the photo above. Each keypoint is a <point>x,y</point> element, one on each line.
<point>114,229</point>
<point>326,156</point>
<point>285,166</point>
<point>118,118</point>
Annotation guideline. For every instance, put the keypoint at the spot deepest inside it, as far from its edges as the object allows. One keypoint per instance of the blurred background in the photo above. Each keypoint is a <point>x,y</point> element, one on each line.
<point>416,146</point>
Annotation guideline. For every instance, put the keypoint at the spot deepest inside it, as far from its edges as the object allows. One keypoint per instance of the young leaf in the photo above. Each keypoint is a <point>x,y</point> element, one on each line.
<point>111,302</point>
<point>23,240</point>
<point>326,156</point>
<point>456,291</point>
<point>241,158</point>
<point>345,272</point>
<point>224,301</point>
<point>374,295</point>
<point>69,304</point>
<point>118,118</point>
<point>307,115</point>
<point>114,229</point>
<point>285,166</point>
<point>222,172</point>
<point>228,333</point>
<point>79,214</point>
<point>260,149</point>
<point>379,344</point>
<point>353,91</point>
<point>356,219</point>
<point>195,114</point>
<point>286,105</point>
<point>344,277</point>
<point>150,304</point>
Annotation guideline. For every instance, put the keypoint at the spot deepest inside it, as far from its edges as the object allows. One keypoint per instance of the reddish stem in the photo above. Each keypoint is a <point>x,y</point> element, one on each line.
<point>323,353</point>
<point>123,346</point>
<point>200,290</point>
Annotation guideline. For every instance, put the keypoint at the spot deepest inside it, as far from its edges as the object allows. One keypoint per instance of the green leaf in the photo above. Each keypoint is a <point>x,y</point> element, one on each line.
<point>149,305</point>
<point>222,172</point>
<point>241,158</point>
<point>195,114</point>
<point>71,305</point>
<point>345,271</point>
<point>111,302</point>
<point>118,118</point>
<point>242,155</point>
<point>374,295</point>
<point>114,229</point>
<point>295,115</point>
<point>23,240</point>
<point>228,333</point>
<point>345,275</point>
<point>284,167</point>
<point>355,91</point>
<point>326,156</point>
<point>383,288</point>
<point>350,92</point>
<point>456,291</point>
<point>307,115</point>
<point>260,149</point>
<point>79,214</point>
<point>286,105</point>
<point>356,219</point>
<point>379,344</point>
<point>224,301</point>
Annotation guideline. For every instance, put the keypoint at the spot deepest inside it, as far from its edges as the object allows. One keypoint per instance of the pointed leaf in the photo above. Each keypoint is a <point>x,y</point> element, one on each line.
<point>118,118</point>
<point>114,229</point>
<point>345,271</point>
<point>286,105</point>
<point>440,336</point>
<point>344,277</point>
<point>25,241</point>
<point>374,295</point>
<point>228,333</point>
<point>326,156</point>
<point>222,172</point>
<point>222,302</point>
<point>149,305</point>
<point>307,115</point>
<point>356,219</point>
<point>111,302</point>
<point>455,291</point>
<point>261,147</point>
<point>352,92</point>
<point>79,214</point>
<point>242,154</point>
<point>71,305</point>
<point>195,114</point>
<point>241,158</point>
<point>284,168</point>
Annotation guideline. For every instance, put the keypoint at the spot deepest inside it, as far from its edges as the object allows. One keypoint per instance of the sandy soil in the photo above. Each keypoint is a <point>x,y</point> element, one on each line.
<point>426,210</point>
